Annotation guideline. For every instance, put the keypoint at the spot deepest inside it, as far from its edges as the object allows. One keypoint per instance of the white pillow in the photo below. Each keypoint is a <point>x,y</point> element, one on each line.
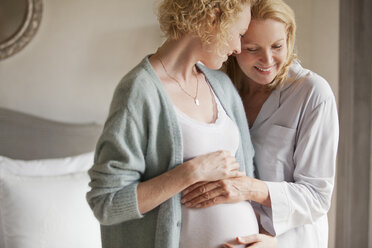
<point>48,167</point>
<point>46,207</point>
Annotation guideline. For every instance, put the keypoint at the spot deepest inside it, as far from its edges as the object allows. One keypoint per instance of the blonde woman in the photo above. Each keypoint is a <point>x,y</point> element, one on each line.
<point>293,122</point>
<point>173,123</point>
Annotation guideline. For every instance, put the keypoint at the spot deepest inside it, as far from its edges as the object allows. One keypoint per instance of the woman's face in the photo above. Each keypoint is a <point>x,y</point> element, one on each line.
<point>215,55</point>
<point>264,50</point>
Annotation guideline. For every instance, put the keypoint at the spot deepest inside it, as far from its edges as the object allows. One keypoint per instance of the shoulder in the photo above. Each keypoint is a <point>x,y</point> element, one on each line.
<point>138,86</point>
<point>307,84</point>
<point>141,80</point>
<point>216,77</point>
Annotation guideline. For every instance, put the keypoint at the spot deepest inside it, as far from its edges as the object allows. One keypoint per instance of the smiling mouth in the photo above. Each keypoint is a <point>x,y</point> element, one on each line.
<point>263,69</point>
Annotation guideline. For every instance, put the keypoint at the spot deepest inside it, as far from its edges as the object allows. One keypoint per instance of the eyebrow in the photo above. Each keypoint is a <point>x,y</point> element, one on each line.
<point>279,40</point>
<point>257,44</point>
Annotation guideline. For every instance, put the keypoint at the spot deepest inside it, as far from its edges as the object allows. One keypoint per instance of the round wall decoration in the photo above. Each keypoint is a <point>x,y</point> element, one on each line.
<point>19,22</point>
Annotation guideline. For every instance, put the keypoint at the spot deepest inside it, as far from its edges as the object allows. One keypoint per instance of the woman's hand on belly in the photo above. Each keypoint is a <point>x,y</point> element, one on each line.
<point>254,241</point>
<point>231,190</point>
<point>209,167</point>
<point>214,166</point>
<point>207,194</point>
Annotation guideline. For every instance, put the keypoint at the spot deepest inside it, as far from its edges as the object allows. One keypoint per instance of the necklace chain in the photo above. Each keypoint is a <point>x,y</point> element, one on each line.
<point>196,100</point>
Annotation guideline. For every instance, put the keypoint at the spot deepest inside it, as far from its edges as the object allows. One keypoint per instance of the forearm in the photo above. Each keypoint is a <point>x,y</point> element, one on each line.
<point>157,190</point>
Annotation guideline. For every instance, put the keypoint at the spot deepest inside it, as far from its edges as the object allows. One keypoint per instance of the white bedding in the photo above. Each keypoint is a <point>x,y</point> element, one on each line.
<point>42,204</point>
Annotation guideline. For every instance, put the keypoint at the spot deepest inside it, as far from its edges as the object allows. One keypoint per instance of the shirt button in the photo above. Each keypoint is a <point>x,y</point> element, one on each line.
<point>178,223</point>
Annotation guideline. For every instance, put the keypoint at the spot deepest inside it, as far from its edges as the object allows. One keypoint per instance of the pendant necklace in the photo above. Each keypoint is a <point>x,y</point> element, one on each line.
<point>196,100</point>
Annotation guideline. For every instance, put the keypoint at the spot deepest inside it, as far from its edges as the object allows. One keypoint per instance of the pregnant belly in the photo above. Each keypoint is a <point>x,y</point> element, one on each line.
<point>213,226</point>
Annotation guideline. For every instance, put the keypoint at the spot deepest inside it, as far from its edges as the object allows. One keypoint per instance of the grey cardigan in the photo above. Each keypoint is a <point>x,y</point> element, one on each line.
<point>141,139</point>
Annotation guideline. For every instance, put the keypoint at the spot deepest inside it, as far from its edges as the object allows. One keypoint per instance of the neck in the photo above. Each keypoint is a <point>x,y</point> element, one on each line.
<point>255,88</point>
<point>178,56</point>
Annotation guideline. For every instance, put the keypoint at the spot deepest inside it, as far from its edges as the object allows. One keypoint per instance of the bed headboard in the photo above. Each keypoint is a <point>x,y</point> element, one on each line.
<point>27,137</point>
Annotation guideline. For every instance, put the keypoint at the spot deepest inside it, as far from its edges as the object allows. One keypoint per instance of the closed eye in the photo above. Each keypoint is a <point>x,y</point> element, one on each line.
<point>252,49</point>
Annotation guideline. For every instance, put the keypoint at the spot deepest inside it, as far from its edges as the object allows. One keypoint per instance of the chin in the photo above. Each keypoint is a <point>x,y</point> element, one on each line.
<point>214,66</point>
<point>261,81</point>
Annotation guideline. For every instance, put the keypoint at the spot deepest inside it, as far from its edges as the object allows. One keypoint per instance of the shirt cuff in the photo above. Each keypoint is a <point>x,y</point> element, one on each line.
<point>122,206</point>
<point>281,207</point>
<point>127,203</point>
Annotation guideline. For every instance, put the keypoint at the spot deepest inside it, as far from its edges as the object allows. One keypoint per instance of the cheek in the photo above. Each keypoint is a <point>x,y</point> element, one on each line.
<point>246,64</point>
<point>282,55</point>
<point>245,60</point>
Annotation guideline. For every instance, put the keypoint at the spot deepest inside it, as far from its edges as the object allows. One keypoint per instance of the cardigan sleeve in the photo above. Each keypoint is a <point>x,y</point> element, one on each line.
<point>119,163</point>
<point>309,197</point>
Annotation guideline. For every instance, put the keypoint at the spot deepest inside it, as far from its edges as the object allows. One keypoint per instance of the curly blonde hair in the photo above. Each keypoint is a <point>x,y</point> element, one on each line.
<point>204,18</point>
<point>268,9</point>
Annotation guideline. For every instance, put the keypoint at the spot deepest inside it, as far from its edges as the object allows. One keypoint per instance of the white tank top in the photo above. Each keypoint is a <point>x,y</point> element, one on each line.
<point>213,226</point>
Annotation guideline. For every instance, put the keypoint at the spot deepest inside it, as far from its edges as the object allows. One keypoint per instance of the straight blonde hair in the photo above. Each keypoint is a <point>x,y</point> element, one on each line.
<point>261,10</point>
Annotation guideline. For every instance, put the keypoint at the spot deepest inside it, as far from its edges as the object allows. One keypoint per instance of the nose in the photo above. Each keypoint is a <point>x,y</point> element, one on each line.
<point>237,46</point>
<point>267,57</point>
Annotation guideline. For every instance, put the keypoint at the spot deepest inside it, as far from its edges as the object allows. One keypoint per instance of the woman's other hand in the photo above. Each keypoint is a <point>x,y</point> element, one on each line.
<point>214,166</point>
<point>206,194</point>
<point>255,241</point>
<point>230,190</point>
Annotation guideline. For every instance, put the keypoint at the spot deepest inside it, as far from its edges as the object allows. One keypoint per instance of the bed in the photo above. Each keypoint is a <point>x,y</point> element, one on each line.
<point>43,181</point>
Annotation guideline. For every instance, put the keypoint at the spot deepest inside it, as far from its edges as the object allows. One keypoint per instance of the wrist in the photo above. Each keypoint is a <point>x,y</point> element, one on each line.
<point>188,173</point>
<point>259,192</point>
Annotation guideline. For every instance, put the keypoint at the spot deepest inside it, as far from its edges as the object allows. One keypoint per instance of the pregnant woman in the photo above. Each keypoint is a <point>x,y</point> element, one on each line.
<point>174,122</point>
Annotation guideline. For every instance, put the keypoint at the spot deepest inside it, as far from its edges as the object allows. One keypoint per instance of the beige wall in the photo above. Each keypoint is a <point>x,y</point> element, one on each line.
<point>318,36</point>
<point>83,47</point>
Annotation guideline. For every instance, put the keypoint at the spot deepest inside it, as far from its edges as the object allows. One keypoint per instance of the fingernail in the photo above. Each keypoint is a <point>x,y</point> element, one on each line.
<point>183,201</point>
<point>188,204</point>
<point>198,206</point>
<point>185,192</point>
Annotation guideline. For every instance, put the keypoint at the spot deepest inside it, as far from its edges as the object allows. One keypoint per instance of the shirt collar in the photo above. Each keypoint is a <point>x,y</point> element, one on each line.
<point>273,101</point>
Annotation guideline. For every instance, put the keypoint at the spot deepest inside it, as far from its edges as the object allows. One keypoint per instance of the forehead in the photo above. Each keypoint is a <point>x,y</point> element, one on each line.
<point>265,31</point>
<point>243,18</point>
